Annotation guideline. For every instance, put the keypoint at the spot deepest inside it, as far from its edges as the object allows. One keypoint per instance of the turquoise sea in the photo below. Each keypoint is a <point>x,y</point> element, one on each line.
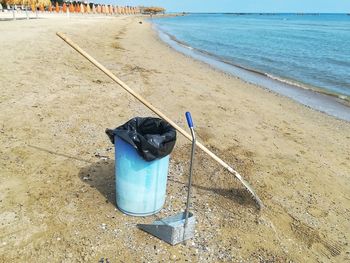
<point>309,51</point>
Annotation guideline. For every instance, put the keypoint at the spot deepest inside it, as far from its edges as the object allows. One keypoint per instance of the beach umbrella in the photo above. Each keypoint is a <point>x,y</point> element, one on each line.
<point>71,8</point>
<point>57,8</point>
<point>111,10</point>
<point>38,3</point>
<point>81,8</point>
<point>88,9</point>
<point>94,9</point>
<point>77,8</point>
<point>64,8</point>
<point>50,8</point>
<point>12,2</point>
<point>99,9</point>
<point>26,4</point>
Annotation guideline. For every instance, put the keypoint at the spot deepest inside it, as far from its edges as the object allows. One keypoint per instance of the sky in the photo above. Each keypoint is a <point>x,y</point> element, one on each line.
<point>299,6</point>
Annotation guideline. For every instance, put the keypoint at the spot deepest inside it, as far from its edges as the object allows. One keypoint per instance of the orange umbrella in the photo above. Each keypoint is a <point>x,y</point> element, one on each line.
<point>64,8</point>
<point>99,9</point>
<point>50,8</point>
<point>41,8</point>
<point>88,9</point>
<point>71,8</point>
<point>77,8</point>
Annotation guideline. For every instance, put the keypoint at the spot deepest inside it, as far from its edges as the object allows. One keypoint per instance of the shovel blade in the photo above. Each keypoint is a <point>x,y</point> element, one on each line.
<point>171,229</point>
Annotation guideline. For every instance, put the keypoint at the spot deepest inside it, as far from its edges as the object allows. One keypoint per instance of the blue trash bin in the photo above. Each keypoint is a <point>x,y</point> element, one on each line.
<point>140,185</point>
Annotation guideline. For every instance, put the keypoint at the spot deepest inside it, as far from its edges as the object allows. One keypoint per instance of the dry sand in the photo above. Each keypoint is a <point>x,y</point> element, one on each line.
<point>57,191</point>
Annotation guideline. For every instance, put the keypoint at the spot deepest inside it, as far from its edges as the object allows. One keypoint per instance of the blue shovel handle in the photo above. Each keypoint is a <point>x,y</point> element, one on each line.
<point>189,119</point>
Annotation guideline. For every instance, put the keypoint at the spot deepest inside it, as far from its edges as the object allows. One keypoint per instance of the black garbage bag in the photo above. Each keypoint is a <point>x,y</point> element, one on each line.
<point>153,138</point>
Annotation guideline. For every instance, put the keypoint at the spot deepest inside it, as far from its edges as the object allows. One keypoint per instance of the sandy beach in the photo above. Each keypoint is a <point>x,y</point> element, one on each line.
<point>57,193</point>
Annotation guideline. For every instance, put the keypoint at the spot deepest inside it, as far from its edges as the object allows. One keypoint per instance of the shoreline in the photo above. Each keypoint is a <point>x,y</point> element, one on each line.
<point>333,104</point>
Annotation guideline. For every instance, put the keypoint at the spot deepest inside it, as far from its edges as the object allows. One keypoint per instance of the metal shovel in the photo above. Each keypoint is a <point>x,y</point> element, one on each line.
<point>180,227</point>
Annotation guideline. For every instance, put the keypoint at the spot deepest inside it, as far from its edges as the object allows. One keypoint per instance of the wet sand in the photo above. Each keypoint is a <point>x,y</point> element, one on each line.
<point>57,188</point>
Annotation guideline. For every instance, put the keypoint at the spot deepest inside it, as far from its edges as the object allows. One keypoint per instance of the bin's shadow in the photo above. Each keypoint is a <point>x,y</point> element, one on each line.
<point>100,175</point>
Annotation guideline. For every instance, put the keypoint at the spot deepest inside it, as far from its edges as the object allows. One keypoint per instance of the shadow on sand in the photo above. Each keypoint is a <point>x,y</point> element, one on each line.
<point>237,195</point>
<point>100,175</point>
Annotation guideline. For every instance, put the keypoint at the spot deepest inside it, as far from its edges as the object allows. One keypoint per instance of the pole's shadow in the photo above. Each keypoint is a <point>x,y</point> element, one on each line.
<point>100,175</point>
<point>239,196</point>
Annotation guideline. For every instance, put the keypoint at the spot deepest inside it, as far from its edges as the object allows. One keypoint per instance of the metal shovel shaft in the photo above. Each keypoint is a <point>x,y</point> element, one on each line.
<point>190,176</point>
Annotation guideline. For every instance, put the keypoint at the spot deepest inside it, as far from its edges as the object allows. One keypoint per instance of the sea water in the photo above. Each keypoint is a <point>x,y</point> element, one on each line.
<point>307,51</point>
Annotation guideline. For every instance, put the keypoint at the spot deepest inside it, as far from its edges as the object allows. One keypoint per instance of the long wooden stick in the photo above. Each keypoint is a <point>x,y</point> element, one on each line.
<point>160,114</point>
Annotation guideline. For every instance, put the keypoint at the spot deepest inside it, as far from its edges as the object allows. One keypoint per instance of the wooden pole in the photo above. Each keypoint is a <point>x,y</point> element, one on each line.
<point>160,114</point>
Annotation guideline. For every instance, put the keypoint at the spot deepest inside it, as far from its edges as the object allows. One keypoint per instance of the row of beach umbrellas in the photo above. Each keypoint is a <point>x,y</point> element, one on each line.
<point>87,8</point>
<point>73,7</point>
